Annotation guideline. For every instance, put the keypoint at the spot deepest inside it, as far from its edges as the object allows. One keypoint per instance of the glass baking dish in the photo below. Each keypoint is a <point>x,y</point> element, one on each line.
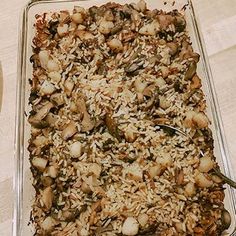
<point>24,192</point>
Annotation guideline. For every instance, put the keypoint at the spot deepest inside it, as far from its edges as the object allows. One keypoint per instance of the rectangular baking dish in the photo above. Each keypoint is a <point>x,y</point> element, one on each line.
<point>24,192</point>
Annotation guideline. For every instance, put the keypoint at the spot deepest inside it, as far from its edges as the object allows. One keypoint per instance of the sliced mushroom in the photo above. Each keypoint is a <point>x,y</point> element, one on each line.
<point>173,48</point>
<point>36,120</point>
<point>58,99</point>
<point>48,224</point>
<point>112,127</point>
<point>69,130</point>
<point>225,219</point>
<point>87,123</point>
<point>191,70</point>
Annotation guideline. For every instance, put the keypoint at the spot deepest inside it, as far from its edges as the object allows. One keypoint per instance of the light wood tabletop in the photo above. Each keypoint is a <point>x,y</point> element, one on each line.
<point>218,25</point>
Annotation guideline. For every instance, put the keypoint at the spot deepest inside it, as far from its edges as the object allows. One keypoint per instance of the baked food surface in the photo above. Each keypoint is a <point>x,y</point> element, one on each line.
<point>105,81</point>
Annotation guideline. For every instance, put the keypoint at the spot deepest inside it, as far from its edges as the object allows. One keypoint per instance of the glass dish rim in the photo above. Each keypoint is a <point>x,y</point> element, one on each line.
<point>19,122</point>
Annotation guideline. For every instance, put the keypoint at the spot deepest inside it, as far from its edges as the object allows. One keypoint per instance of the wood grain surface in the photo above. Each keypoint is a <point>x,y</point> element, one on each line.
<point>218,25</point>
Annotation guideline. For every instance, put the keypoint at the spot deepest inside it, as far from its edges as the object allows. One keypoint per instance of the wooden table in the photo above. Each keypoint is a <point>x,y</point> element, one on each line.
<point>218,24</point>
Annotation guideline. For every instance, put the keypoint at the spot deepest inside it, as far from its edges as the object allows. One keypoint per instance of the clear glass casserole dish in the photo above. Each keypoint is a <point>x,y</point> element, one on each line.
<point>24,192</point>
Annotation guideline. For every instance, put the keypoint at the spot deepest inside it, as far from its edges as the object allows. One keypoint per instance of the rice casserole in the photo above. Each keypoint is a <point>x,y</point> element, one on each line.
<point>107,82</point>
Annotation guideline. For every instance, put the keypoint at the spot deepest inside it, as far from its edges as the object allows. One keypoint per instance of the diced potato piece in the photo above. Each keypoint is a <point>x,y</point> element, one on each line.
<point>39,163</point>
<point>206,164</point>
<point>130,226</point>
<point>203,180</point>
<point>47,197</point>
<point>76,149</point>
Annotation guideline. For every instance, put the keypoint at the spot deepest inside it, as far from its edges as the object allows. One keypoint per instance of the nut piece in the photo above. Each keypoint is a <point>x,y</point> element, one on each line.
<point>203,180</point>
<point>47,197</point>
<point>206,164</point>
<point>115,45</point>
<point>39,163</point>
<point>105,27</point>
<point>76,149</point>
<point>143,219</point>
<point>69,131</point>
<point>130,226</point>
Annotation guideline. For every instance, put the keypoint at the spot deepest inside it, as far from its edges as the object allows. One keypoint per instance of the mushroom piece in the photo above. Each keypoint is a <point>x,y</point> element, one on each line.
<point>130,227</point>
<point>112,127</point>
<point>36,120</point>
<point>58,99</point>
<point>155,170</point>
<point>47,197</point>
<point>173,48</point>
<point>87,123</point>
<point>48,224</point>
<point>225,219</point>
<point>191,70</point>
<point>53,66</point>
<point>69,130</point>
